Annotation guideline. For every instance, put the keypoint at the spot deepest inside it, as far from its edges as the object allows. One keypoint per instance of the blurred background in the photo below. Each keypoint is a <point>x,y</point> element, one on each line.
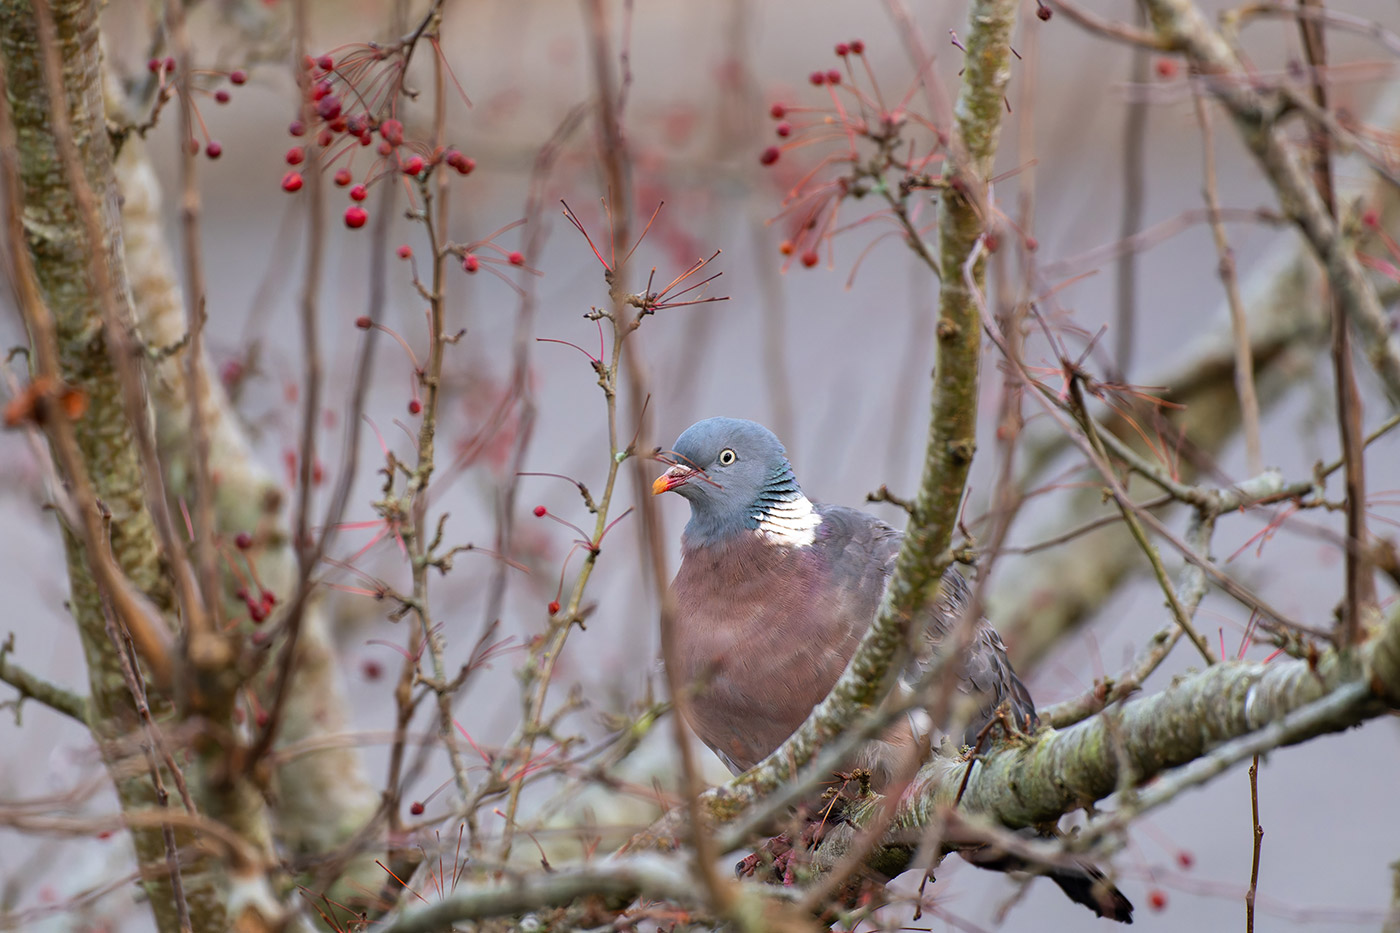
<point>835,358</point>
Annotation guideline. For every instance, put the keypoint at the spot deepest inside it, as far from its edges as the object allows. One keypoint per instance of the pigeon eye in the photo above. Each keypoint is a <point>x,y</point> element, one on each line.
<point>726,457</point>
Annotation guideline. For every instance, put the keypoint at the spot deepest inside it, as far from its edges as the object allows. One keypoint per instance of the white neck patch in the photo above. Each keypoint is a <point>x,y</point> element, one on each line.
<point>793,522</point>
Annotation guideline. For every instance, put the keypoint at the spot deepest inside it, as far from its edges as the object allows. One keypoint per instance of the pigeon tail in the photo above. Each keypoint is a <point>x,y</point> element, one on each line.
<point>1085,884</point>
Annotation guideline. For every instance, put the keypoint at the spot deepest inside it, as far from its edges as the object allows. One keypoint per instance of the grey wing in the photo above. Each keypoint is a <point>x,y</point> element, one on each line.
<point>868,549</point>
<point>986,671</point>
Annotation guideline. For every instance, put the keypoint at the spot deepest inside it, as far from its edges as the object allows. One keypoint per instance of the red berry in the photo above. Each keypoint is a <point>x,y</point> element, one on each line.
<point>213,149</point>
<point>193,146</point>
<point>470,263</point>
<point>770,155</point>
<point>291,182</point>
<point>384,148</point>
<point>261,718</point>
<point>1371,219</point>
<point>843,49</point>
<point>810,258</point>
<point>1157,899</point>
<point>324,138</point>
<point>541,511</point>
<point>857,47</point>
<point>325,63</point>
<point>786,247</point>
<point>257,613</point>
<point>405,251</point>
<point>833,77</point>
<point>1166,68</point>
<point>416,808</point>
<point>363,322</point>
<point>343,177</point>
<point>392,131</point>
<point>991,241</point>
<point>777,111</point>
<point>170,63</point>
<point>355,217</point>
<point>371,669</point>
<point>238,76</point>
<point>1032,244</point>
<point>359,193</point>
<point>296,155</point>
<point>414,406</point>
<point>818,78</point>
<point>328,107</point>
<point>1043,13</point>
<point>413,166</point>
<point>222,96</point>
<point>783,129</point>
<point>1185,859</point>
<point>153,65</point>
<point>296,128</point>
<point>461,163</point>
<point>243,541</point>
<point>553,607</point>
<point>516,258</point>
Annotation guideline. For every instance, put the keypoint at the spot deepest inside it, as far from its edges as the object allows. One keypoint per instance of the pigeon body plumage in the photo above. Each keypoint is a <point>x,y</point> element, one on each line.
<point>772,597</point>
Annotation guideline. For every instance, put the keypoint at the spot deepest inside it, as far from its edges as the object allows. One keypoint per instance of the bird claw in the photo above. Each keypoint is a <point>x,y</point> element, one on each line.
<point>777,852</point>
<point>780,853</point>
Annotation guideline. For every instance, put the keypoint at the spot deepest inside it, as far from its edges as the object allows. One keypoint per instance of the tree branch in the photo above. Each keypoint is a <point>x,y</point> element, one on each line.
<point>1207,722</point>
<point>34,687</point>
<point>656,877</point>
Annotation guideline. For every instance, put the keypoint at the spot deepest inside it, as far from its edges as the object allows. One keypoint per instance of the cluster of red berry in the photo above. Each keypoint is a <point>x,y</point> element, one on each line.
<point>343,122</point>
<point>164,71</point>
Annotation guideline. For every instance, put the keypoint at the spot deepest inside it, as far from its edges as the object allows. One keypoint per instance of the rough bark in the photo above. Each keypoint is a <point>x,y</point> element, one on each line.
<point>60,251</point>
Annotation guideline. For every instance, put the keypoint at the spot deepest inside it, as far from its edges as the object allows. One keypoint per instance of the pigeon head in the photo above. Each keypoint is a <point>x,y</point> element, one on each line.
<point>737,477</point>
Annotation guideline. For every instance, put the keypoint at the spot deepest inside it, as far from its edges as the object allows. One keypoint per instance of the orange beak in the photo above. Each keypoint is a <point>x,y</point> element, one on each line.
<point>676,476</point>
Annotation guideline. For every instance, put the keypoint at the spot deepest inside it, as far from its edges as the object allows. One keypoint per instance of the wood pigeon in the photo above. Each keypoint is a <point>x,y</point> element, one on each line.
<point>772,597</point>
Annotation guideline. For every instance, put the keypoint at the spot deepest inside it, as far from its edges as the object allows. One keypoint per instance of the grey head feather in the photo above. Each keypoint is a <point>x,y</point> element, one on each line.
<point>731,496</point>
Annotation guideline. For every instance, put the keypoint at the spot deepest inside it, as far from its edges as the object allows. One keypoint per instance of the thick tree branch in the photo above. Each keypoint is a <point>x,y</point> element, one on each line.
<point>1206,722</point>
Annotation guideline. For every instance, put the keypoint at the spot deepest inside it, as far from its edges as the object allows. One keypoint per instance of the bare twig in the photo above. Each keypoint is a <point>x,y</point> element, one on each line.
<point>1239,323</point>
<point>31,686</point>
<point>1130,512</point>
<point>196,375</point>
<point>1191,589</point>
<point>1258,840</point>
<point>1122,32</point>
<point>1360,585</point>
